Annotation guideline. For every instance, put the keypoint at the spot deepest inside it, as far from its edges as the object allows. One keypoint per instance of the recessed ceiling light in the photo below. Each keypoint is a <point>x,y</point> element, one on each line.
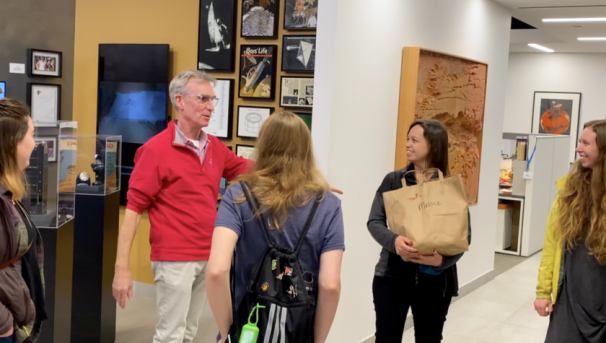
<point>591,38</point>
<point>540,47</point>
<point>567,20</point>
<point>576,27</point>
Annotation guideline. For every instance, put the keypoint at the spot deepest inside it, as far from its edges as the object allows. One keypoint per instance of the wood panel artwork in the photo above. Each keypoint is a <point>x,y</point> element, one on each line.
<point>450,89</point>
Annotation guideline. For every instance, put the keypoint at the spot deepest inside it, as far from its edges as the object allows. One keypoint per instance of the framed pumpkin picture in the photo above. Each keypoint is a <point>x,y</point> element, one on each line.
<point>557,113</point>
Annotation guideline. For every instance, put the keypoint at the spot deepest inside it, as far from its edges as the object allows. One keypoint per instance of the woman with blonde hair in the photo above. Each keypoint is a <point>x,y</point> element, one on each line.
<point>573,266</point>
<point>21,252</point>
<point>287,187</point>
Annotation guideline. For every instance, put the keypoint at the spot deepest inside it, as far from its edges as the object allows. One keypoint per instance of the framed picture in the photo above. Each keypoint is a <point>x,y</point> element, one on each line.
<point>44,101</point>
<point>257,71</point>
<point>557,113</point>
<point>51,142</point>
<point>306,118</point>
<point>301,14</point>
<point>44,63</point>
<point>297,92</point>
<point>299,54</point>
<point>216,35</point>
<point>2,89</point>
<point>220,124</point>
<point>250,120</point>
<point>260,19</point>
<point>246,151</point>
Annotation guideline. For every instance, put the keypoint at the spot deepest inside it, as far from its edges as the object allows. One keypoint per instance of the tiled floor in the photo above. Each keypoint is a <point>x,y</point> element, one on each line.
<point>500,311</point>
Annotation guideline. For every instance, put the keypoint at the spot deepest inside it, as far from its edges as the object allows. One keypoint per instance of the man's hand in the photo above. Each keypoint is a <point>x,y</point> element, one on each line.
<point>405,250</point>
<point>434,260</point>
<point>122,287</point>
<point>334,190</point>
<point>543,307</point>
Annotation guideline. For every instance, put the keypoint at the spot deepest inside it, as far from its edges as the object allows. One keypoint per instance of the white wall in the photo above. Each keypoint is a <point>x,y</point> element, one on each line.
<point>358,66</point>
<point>584,73</point>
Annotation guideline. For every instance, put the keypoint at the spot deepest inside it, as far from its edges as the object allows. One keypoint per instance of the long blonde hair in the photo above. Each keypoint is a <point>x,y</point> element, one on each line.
<point>13,128</point>
<point>285,173</point>
<point>583,201</point>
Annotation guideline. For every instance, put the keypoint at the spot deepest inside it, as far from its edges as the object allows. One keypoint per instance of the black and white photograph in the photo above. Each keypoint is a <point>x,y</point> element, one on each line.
<point>299,54</point>
<point>297,92</point>
<point>220,121</point>
<point>257,71</point>
<point>250,120</point>
<point>300,14</point>
<point>259,18</point>
<point>44,101</point>
<point>246,151</point>
<point>44,63</point>
<point>216,38</point>
<point>51,143</point>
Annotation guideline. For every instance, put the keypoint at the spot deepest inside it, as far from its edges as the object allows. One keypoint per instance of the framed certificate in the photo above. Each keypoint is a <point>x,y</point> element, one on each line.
<point>44,101</point>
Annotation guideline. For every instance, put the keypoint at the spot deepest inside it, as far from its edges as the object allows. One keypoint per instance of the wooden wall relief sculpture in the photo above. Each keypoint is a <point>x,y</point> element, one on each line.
<point>452,90</point>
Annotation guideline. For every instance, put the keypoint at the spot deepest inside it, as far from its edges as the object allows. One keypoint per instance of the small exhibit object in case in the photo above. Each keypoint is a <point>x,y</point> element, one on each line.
<point>250,120</point>
<point>99,173</point>
<point>44,63</point>
<point>246,151</point>
<point>297,92</point>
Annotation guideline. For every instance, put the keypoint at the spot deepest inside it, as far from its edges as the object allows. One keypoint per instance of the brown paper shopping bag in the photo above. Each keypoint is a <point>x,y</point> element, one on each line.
<point>433,214</point>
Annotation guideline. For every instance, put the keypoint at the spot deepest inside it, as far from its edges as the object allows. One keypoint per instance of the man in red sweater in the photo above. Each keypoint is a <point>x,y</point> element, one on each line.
<point>176,178</point>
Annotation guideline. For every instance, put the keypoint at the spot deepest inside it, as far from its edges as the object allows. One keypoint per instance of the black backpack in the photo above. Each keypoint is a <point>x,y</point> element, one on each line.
<point>280,285</point>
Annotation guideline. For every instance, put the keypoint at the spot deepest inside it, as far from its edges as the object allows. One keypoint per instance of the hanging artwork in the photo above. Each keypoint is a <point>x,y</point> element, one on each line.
<point>452,90</point>
<point>557,113</point>
<point>220,121</point>
<point>298,53</point>
<point>297,92</point>
<point>260,18</point>
<point>257,71</point>
<point>216,38</point>
<point>300,14</point>
<point>250,120</point>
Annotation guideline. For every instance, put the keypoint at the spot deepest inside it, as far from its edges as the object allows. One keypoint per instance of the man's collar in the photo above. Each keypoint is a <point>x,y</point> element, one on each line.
<point>180,137</point>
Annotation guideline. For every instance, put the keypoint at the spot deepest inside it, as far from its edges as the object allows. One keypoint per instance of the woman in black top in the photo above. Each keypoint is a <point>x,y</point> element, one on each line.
<point>403,278</point>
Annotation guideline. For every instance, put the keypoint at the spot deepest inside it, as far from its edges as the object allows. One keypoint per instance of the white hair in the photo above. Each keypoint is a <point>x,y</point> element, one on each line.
<point>177,85</point>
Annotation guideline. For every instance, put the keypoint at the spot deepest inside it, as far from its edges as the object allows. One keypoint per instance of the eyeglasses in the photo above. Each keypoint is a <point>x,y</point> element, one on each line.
<point>204,99</point>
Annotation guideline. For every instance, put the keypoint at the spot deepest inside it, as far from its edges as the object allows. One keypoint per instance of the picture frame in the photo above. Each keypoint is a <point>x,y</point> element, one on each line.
<point>260,20</point>
<point>45,102</point>
<point>246,151</point>
<point>297,91</point>
<point>300,15</point>
<point>557,113</point>
<point>298,53</point>
<point>2,89</point>
<point>257,71</point>
<point>51,142</point>
<point>217,35</point>
<point>220,124</point>
<point>306,117</point>
<point>44,63</point>
<point>250,120</point>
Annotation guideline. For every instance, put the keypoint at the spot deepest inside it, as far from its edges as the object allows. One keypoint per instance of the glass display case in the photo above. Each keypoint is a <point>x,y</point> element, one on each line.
<point>99,164</point>
<point>51,175</point>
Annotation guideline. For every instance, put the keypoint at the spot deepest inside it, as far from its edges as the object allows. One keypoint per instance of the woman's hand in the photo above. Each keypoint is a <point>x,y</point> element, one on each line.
<point>543,307</point>
<point>405,250</point>
<point>434,260</point>
<point>9,333</point>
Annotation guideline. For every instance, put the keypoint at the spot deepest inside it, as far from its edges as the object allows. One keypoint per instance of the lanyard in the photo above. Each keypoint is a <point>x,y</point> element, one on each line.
<point>531,157</point>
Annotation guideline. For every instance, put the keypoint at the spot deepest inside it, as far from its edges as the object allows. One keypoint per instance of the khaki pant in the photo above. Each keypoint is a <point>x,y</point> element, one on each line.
<point>181,297</point>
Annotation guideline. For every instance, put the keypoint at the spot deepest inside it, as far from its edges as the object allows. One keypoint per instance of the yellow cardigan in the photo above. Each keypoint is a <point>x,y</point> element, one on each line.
<point>549,271</point>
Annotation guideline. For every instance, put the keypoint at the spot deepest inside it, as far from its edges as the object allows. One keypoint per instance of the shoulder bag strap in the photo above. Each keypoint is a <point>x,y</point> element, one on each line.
<point>255,209</point>
<point>16,258</point>
<point>308,223</point>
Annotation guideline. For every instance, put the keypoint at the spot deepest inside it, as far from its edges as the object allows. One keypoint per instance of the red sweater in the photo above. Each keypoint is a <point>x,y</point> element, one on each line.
<point>180,193</point>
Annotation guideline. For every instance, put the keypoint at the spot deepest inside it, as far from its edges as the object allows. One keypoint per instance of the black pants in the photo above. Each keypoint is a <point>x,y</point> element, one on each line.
<point>393,298</point>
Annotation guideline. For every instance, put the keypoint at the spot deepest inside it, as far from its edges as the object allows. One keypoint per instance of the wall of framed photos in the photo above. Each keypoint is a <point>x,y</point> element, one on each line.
<point>263,54</point>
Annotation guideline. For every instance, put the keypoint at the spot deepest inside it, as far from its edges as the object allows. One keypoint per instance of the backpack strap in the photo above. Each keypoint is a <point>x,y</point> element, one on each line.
<point>308,223</point>
<point>255,208</point>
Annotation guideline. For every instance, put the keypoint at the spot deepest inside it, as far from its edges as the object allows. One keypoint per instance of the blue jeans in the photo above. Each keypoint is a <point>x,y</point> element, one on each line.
<point>10,339</point>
